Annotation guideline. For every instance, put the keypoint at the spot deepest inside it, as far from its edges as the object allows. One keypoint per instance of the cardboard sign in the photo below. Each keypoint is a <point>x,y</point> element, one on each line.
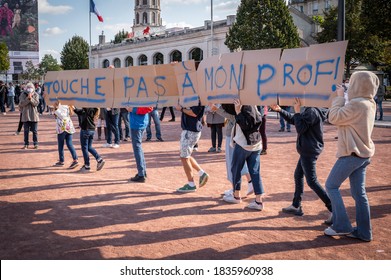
<point>258,77</point>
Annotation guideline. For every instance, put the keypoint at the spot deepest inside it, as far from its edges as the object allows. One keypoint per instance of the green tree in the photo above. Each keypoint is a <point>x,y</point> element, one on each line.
<point>262,24</point>
<point>120,36</point>
<point>74,54</point>
<point>31,73</point>
<point>365,45</point>
<point>4,58</point>
<point>49,63</point>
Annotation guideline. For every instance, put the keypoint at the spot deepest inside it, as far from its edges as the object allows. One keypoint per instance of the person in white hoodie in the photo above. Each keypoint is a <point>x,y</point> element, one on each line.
<point>355,121</point>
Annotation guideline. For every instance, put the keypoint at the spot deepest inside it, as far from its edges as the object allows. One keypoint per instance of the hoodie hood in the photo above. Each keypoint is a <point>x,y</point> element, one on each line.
<point>322,113</point>
<point>363,84</point>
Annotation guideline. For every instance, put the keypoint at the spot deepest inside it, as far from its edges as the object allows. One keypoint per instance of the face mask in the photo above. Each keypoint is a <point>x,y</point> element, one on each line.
<point>30,90</point>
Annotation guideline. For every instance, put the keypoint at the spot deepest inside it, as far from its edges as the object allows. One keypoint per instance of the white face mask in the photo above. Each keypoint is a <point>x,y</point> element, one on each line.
<point>30,90</point>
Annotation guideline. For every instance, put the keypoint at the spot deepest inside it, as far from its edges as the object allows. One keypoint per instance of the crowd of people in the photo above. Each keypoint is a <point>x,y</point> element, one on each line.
<point>352,111</point>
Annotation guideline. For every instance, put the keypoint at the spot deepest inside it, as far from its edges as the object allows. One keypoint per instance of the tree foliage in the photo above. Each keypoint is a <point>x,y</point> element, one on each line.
<point>367,42</point>
<point>49,63</point>
<point>74,54</point>
<point>31,73</point>
<point>4,57</point>
<point>120,36</point>
<point>262,24</point>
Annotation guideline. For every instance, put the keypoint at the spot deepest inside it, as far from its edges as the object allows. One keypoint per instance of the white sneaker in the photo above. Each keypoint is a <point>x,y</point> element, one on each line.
<point>254,205</point>
<point>298,211</point>
<point>330,232</point>
<point>231,199</point>
<point>250,189</point>
<point>228,192</point>
<point>107,145</point>
<point>115,146</point>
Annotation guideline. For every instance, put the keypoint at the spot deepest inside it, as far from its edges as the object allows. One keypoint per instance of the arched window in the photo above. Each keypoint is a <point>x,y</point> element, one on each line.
<point>154,2</point>
<point>117,63</point>
<point>145,18</point>
<point>137,2</point>
<point>105,63</point>
<point>137,18</point>
<point>142,60</point>
<point>175,56</point>
<point>196,54</point>
<point>145,2</point>
<point>158,58</point>
<point>153,19</point>
<point>128,61</point>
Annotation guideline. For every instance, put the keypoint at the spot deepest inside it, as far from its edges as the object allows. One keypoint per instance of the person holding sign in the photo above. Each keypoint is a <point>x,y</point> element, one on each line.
<point>247,143</point>
<point>87,125</point>
<point>191,123</point>
<point>355,121</point>
<point>138,122</point>
<point>309,145</point>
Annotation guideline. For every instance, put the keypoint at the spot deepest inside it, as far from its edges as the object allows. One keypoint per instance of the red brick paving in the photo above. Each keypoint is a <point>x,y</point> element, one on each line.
<point>54,213</point>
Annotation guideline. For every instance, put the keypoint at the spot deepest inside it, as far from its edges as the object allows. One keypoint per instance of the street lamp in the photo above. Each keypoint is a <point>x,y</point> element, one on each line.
<point>341,20</point>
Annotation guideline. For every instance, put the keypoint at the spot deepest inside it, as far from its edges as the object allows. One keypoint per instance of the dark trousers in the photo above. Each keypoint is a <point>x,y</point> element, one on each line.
<point>216,129</point>
<point>164,111</point>
<point>306,166</point>
<point>112,127</point>
<point>262,130</point>
<point>33,127</point>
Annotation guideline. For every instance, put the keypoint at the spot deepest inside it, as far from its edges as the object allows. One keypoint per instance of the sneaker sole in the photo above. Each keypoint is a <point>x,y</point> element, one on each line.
<point>185,191</point>
<point>296,213</point>
<point>204,181</point>
<point>100,167</point>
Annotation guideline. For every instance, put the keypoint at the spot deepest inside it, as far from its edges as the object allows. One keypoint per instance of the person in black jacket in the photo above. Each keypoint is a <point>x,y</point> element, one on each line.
<point>309,145</point>
<point>87,126</point>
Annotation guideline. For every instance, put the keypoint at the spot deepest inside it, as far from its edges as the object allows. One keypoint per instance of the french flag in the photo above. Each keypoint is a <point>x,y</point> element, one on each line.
<point>94,10</point>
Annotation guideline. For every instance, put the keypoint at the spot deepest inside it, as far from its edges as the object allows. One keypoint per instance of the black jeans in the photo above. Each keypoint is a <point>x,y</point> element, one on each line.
<point>306,166</point>
<point>33,127</point>
<point>216,129</point>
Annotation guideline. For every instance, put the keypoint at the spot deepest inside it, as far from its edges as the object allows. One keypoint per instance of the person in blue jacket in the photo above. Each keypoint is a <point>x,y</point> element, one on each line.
<point>309,145</point>
<point>139,119</point>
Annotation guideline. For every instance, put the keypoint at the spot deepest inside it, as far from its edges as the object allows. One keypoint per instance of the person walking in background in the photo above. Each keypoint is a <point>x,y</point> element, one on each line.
<point>191,123</point>
<point>87,126</point>
<point>154,115</point>
<point>138,122</point>
<point>11,97</point>
<point>215,122</point>
<point>101,123</point>
<point>379,102</point>
<point>124,116</point>
<point>282,120</point>
<point>171,111</point>
<point>112,116</point>
<point>3,96</point>
<point>65,130</point>
<point>28,104</point>
<point>309,145</point>
<point>355,122</point>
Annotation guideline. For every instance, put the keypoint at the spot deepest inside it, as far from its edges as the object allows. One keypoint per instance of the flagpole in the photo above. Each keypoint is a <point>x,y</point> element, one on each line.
<point>89,54</point>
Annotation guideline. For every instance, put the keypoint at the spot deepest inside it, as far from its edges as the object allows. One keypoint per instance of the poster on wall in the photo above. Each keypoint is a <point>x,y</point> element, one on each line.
<point>19,25</point>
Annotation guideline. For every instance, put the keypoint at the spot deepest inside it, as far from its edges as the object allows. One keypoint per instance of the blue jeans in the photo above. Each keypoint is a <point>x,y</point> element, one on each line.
<point>86,139</point>
<point>282,120</point>
<point>124,115</point>
<point>354,168</point>
<point>112,127</point>
<point>11,103</point>
<point>33,127</point>
<point>67,138</point>
<point>155,116</point>
<point>241,156</point>
<point>137,137</point>
<point>379,107</point>
<point>306,166</point>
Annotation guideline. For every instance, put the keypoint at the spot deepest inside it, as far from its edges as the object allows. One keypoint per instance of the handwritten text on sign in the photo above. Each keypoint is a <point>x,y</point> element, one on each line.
<point>259,77</point>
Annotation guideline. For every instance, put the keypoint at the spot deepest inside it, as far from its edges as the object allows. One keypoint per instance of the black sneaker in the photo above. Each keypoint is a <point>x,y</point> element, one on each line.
<point>73,164</point>
<point>100,164</point>
<point>148,140</point>
<point>160,139</point>
<point>298,211</point>
<point>139,179</point>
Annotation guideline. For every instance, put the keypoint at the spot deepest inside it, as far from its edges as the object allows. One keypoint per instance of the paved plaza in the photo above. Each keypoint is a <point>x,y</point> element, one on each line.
<point>52,212</point>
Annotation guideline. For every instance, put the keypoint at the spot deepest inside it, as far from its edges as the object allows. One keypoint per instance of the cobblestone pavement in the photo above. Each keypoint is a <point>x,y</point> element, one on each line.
<point>52,212</point>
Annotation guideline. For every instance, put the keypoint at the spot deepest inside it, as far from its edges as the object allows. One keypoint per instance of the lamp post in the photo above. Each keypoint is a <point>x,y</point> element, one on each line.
<point>211,26</point>
<point>341,20</point>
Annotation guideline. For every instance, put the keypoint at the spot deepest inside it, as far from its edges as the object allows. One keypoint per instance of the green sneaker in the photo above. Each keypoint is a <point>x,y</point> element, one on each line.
<point>187,188</point>
<point>203,179</point>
